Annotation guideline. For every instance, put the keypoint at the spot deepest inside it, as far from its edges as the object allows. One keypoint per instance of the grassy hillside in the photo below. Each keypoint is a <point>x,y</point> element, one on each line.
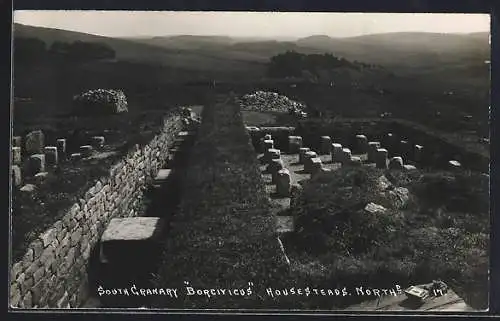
<point>422,73</point>
<point>138,52</point>
<point>404,52</point>
<point>422,62</point>
<point>442,232</point>
<point>411,49</point>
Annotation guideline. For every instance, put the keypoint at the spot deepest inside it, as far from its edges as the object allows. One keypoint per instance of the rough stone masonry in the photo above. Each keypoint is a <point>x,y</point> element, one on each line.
<point>53,271</point>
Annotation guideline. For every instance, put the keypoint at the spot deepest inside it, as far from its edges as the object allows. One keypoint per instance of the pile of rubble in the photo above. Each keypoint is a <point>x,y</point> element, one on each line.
<point>273,102</point>
<point>190,119</point>
<point>101,101</point>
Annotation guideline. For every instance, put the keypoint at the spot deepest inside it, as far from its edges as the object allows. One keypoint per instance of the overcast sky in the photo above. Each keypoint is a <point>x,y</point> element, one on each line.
<point>250,24</point>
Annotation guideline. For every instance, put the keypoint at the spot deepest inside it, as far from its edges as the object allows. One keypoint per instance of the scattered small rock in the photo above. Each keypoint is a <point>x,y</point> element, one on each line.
<point>375,208</point>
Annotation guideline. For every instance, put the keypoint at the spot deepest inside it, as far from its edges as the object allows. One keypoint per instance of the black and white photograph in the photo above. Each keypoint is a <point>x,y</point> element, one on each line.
<point>226,161</point>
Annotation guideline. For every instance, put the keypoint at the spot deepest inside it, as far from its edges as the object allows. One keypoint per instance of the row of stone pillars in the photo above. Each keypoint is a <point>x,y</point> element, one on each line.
<point>280,176</point>
<point>373,151</point>
<point>40,158</point>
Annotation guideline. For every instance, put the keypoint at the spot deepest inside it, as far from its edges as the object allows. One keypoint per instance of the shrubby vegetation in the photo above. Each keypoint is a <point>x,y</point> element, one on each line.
<point>294,64</point>
<point>31,50</point>
<point>443,232</point>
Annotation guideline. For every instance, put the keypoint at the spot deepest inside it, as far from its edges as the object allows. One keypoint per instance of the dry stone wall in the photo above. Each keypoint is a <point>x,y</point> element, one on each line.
<point>53,271</point>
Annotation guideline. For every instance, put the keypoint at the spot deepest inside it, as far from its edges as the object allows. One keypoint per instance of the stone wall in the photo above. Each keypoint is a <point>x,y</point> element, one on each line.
<point>53,271</point>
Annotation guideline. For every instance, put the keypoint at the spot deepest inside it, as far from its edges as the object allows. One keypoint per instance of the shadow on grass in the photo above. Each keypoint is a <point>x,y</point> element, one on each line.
<point>275,196</point>
<point>410,304</point>
<point>121,275</point>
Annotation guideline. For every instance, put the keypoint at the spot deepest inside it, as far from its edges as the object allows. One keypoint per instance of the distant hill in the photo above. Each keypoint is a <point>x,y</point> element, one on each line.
<point>186,42</point>
<point>458,59</point>
<point>403,52</point>
<point>406,49</point>
<point>416,71</point>
<point>138,51</point>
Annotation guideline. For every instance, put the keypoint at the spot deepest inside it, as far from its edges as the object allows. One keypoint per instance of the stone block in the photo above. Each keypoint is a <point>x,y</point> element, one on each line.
<point>271,154</point>
<point>28,188</point>
<point>75,157</point>
<point>38,274</point>
<point>454,165</point>
<point>404,147</point>
<point>294,144</point>
<point>98,141</point>
<point>48,237</point>
<point>361,144</point>
<point>372,151</point>
<point>325,145</point>
<point>418,153</point>
<point>16,176</point>
<point>307,160</point>
<point>381,158</point>
<point>27,301</point>
<point>30,269</point>
<point>17,141</point>
<point>74,210</point>
<point>51,155</point>
<point>39,293</point>
<point>76,237</point>
<point>41,177</point>
<point>34,142</point>
<point>302,152</point>
<point>274,166</point>
<point>285,224</point>
<point>70,258</point>
<point>28,258</point>
<point>36,164</point>
<point>375,208</point>
<point>61,147</point>
<point>409,167</point>
<point>346,156</point>
<point>86,151</point>
<point>315,166</point>
<point>25,283</point>
<point>132,238</point>
<point>48,256</point>
<point>396,163</point>
<point>398,197</point>
<point>267,144</point>
<point>162,176</point>
<point>15,296</point>
<point>283,183</point>
<point>63,302</point>
<point>16,155</point>
<point>355,161</point>
<point>37,247</point>
<point>337,153</point>
<point>16,269</point>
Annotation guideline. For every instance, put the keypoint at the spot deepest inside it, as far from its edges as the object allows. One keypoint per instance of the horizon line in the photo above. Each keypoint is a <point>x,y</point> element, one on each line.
<point>256,36</point>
